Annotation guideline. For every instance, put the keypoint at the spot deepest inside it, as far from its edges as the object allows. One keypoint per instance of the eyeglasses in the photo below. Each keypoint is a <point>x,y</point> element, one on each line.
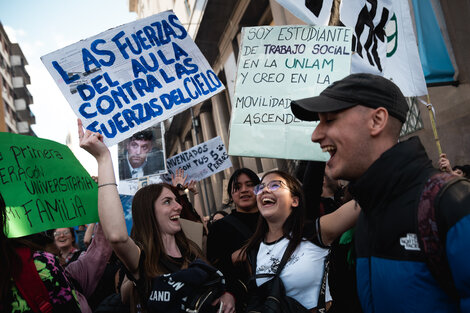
<point>272,186</point>
<point>58,233</point>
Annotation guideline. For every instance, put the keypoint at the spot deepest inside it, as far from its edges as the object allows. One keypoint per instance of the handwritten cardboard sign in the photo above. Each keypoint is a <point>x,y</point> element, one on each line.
<point>128,78</point>
<point>44,186</point>
<point>278,64</point>
<point>200,161</point>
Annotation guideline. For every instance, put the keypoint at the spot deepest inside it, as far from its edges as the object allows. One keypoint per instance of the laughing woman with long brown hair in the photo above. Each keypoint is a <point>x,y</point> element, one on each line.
<point>158,244</point>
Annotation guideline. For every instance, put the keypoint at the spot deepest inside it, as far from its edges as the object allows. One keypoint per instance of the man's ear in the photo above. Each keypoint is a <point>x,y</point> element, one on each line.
<point>379,119</point>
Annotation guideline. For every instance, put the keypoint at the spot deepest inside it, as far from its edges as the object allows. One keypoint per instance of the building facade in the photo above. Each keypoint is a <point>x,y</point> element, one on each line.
<point>215,27</point>
<point>15,113</point>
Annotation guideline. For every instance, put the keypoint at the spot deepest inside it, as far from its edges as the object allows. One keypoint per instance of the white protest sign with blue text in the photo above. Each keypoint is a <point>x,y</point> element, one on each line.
<point>131,77</point>
<point>200,161</point>
<point>276,65</point>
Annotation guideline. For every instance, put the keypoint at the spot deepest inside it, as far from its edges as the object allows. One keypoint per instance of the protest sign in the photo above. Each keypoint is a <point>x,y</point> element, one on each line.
<point>143,154</point>
<point>385,43</point>
<point>133,76</point>
<point>201,161</point>
<point>44,186</point>
<point>276,65</point>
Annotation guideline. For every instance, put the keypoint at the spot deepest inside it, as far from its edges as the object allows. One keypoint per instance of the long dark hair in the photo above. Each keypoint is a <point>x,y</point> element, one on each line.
<point>293,225</point>
<point>147,234</point>
<point>234,179</point>
<point>9,261</point>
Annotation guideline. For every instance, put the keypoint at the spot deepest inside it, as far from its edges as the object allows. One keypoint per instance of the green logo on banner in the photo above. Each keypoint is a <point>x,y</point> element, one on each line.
<point>392,36</point>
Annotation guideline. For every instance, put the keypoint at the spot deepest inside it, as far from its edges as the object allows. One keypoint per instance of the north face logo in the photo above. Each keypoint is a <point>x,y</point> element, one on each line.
<point>410,242</point>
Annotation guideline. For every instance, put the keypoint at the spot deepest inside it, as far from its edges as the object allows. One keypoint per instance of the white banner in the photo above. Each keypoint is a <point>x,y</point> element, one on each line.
<point>312,12</point>
<point>201,161</point>
<point>131,77</point>
<point>385,41</point>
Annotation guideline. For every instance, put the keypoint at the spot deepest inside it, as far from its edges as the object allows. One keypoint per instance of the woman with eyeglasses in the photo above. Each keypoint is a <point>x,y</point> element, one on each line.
<point>282,228</point>
<point>84,268</point>
<point>65,241</point>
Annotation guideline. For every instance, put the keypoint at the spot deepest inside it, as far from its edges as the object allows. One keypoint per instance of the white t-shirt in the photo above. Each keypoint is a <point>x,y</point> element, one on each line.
<point>302,275</point>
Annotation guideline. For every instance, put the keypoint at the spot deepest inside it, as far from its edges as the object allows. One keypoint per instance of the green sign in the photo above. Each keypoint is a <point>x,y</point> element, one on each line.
<point>278,64</point>
<point>44,186</point>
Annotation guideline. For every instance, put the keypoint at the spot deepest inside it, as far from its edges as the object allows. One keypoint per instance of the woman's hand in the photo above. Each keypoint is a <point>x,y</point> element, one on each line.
<point>192,187</point>
<point>92,142</point>
<point>444,163</point>
<point>228,302</point>
<point>179,178</point>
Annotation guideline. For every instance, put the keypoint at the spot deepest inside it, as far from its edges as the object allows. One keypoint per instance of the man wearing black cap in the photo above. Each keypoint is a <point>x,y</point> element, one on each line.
<point>360,118</point>
<point>140,160</point>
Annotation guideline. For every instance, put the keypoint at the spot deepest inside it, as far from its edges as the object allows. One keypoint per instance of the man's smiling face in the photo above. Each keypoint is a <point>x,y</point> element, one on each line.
<point>344,135</point>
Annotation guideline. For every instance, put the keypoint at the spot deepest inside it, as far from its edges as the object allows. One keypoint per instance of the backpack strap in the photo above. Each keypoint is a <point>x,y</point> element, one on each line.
<point>30,285</point>
<point>252,256</point>
<point>239,226</point>
<point>284,259</point>
<point>321,304</point>
<point>430,241</point>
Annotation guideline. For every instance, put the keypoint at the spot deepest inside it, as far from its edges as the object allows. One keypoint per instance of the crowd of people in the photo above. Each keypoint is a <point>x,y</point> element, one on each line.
<point>386,232</point>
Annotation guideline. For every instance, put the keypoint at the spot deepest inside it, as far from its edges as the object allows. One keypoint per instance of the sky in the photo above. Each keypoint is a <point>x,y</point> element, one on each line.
<point>44,26</point>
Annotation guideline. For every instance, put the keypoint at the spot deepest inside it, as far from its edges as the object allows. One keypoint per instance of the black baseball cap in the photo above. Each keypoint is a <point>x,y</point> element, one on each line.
<point>365,89</point>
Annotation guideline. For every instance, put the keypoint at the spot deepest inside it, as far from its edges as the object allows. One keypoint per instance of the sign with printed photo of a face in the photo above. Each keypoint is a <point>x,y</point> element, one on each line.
<point>143,154</point>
